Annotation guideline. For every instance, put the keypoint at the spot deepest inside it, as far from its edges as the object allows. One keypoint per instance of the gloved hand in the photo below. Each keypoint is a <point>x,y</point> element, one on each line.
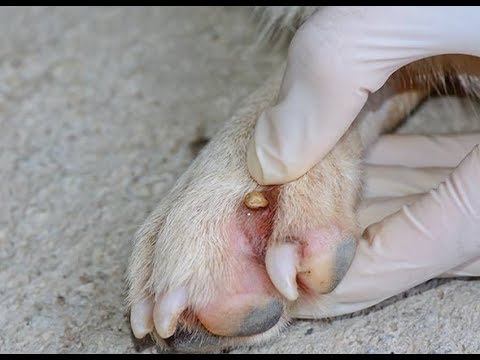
<point>336,59</point>
<point>423,234</point>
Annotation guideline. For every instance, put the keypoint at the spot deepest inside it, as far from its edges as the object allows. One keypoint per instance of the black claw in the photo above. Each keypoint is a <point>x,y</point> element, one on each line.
<point>344,254</point>
<point>260,319</point>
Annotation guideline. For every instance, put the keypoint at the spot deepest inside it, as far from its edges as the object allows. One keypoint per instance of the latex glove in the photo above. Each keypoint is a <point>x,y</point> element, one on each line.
<point>335,60</point>
<point>436,234</point>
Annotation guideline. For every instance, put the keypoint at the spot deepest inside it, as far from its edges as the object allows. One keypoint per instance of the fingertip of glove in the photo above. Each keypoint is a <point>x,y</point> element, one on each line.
<point>253,163</point>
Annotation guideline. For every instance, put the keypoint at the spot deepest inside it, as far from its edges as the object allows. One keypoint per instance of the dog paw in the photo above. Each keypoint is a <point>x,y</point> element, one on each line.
<point>214,267</point>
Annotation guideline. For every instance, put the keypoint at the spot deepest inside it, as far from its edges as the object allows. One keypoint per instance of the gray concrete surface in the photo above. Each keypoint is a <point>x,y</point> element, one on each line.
<point>99,112</point>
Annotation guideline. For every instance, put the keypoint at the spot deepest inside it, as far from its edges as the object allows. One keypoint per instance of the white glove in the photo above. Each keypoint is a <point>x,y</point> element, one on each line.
<point>437,234</point>
<point>336,59</point>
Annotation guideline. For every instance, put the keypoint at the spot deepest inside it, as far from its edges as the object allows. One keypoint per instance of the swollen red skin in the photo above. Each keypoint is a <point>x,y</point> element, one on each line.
<point>257,224</point>
<point>249,288</point>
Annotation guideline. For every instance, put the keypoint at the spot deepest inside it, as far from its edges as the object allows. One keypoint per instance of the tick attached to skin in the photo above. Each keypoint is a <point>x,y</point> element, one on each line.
<point>255,200</point>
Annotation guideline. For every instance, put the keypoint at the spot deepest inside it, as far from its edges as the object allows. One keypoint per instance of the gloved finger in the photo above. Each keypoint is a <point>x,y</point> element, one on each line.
<point>393,181</point>
<point>422,150</point>
<point>435,234</point>
<point>337,59</point>
<point>373,210</point>
<point>470,269</point>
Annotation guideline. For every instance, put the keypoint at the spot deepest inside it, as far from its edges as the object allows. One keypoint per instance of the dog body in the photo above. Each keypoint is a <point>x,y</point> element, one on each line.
<point>200,260</point>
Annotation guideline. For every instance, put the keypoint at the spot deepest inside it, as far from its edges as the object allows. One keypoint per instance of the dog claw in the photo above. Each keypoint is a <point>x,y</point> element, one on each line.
<point>167,311</point>
<point>281,262</point>
<point>141,317</point>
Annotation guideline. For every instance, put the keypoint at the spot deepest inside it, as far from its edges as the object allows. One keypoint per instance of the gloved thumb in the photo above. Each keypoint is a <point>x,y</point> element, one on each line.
<point>336,59</point>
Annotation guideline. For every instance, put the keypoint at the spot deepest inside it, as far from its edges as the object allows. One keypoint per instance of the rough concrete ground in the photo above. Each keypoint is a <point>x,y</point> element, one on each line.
<point>100,109</point>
